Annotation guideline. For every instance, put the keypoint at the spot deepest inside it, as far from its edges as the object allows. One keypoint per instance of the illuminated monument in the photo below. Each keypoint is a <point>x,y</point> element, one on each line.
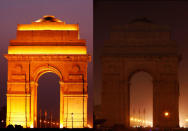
<point>47,45</point>
<point>140,46</point>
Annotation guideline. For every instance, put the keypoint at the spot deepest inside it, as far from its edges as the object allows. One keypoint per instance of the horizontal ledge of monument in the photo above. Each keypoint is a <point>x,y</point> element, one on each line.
<point>22,82</point>
<point>48,26</point>
<point>140,42</point>
<point>44,43</point>
<point>75,95</point>
<point>140,55</point>
<point>52,57</point>
<point>64,50</point>
<point>18,95</point>
<point>73,83</point>
<point>61,83</point>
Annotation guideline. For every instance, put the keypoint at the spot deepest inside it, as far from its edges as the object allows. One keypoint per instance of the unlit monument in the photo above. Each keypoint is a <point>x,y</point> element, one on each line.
<point>140,46</point>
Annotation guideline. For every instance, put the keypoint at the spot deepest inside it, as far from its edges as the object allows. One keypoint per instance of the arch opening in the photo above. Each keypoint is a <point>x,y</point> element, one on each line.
<point>48,101</point>
<point>141,99</point>
<point>47,69</point>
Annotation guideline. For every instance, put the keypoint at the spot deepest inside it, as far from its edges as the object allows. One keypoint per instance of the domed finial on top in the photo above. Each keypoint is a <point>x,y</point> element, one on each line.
<point>48,18</point>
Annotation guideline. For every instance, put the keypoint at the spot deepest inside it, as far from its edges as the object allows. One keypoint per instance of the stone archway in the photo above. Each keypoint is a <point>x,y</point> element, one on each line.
<point>48,113</point>
<point>146,69</point>
<point>140,45</point>
<point>47,45</point>
<point>138,107</point>
<point>36,75</point>
<point>44,69</point>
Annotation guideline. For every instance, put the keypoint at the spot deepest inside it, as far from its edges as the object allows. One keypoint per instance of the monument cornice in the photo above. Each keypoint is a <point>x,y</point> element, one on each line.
<point>39,57</point>
<point>139,56</point>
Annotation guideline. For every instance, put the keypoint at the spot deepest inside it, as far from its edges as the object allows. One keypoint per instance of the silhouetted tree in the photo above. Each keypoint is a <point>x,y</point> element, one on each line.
<point>10,126</point>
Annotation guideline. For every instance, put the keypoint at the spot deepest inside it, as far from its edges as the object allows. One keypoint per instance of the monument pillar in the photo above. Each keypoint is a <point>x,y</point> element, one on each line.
<point>75,104</point>
<point>61,104</point>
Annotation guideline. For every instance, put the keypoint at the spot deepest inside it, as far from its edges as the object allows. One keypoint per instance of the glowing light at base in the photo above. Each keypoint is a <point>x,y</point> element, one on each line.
<point>61,125</point>
<point>184,123</point>
<point>89,126</point>
<point>31,126</point>
<point>136,122</point>
<point>166,114</point>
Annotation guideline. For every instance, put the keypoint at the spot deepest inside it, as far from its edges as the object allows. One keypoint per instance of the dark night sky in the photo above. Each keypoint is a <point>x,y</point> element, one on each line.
<point>173,14</point>
<point>24,12</point>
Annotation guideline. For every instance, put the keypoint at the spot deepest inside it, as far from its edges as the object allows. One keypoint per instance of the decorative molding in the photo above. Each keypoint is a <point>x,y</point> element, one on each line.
<point>85,58</point>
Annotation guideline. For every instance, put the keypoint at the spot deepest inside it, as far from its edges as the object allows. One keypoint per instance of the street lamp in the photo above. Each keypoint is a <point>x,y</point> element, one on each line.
<point>166,114</point>
<point>72,114</point>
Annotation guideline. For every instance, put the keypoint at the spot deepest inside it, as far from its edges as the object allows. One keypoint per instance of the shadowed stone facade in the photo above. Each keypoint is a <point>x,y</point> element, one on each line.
<point>140,46</point>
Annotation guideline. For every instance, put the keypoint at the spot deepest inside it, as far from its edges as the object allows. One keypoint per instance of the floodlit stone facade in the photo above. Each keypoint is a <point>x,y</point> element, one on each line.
<point>140,46</point>
<point>47,45</point>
